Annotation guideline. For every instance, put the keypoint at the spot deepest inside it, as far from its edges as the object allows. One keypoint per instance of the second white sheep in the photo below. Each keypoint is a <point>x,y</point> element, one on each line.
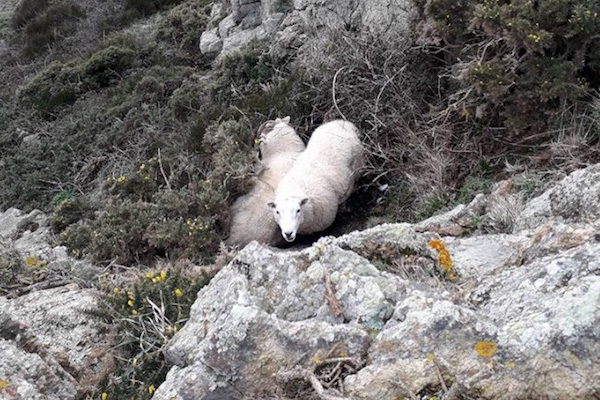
<point>323,177</point>
<point>251,217</point>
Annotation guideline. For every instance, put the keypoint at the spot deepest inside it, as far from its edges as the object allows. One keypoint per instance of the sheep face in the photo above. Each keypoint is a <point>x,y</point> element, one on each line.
<point>289,215</point>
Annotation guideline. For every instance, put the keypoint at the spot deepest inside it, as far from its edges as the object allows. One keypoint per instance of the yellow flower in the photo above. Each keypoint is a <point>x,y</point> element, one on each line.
<point>104,396</point>
<point>116,290</point>
<point>149,275</point>
<point>130,303</point>
<point>315,359</point>
<point>151,389</point>
<point>178,292</point>
<point>430,357</point>
<point>3,384</point>
<point>163,275</point>
<point>134,361</point>
<point>142,167</point>
<point>485,348</point>
<point>121,179</point>
<point>134,312</point>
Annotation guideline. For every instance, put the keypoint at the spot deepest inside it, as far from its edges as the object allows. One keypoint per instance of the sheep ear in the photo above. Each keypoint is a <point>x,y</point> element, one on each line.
<point>303,201</point>
<point>286,119</point>
<point>271,204</point>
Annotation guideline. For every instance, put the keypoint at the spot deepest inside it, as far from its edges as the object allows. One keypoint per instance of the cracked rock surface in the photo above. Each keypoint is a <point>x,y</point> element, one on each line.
<point>381,298</point>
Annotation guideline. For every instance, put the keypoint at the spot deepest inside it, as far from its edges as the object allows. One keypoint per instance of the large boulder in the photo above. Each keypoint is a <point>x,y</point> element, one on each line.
<point>383,314</point>
<point>50,346</point>
<point>287,22</point>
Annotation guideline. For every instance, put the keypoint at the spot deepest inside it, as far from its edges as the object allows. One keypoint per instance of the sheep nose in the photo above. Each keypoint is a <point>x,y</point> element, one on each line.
<point>289,235</point>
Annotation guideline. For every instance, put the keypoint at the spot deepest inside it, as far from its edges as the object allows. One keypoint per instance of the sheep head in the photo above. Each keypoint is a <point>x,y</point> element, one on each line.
<point>289,215</point>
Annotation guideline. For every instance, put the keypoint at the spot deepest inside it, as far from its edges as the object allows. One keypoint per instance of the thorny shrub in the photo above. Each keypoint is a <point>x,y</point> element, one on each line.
<point>518,64</point>
<point>42,22</point>
<point>146,312</point>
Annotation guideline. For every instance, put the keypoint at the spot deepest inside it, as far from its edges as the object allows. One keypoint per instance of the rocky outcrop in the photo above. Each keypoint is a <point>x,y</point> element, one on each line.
<point>398,311</point>
<point>287,22</point>
<point>51,348</point>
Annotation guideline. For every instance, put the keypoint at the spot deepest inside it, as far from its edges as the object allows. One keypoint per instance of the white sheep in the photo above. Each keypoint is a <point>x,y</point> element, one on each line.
<point>322,178</point>
<point>252,219</point>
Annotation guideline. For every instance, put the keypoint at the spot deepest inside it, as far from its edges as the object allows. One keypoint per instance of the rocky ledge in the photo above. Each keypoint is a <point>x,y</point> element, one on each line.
<point>408,311</point>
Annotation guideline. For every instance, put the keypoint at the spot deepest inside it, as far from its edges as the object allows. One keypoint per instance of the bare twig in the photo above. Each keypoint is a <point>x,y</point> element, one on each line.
<point>303,374</point>
<point>162,171</point>
<point>332,301</point>
<point>440,377</point>
<point>333,91</point>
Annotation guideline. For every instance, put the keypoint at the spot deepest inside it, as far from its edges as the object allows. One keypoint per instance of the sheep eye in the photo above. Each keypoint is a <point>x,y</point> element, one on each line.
<point>297,211</point>
<point>277,212</point>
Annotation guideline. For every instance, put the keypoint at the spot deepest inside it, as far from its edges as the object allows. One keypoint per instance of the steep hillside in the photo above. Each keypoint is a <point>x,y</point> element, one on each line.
<point>132,125</point>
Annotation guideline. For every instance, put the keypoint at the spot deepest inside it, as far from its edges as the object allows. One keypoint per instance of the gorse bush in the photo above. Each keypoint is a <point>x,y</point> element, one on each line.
<point>146,312</point>
<point>43,22</point>
<point>162,208</point>
<point>61,84</point>
<point>518,64</point>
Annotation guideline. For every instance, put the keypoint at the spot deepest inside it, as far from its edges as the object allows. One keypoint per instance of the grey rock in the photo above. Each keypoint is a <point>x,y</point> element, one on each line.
<point>280,20</point>
<point>534,295</point>
<point>574,199</point>
<point>29,377</point>
<point>47,332</point>
<point>51,349</point>
<point>210,42</point>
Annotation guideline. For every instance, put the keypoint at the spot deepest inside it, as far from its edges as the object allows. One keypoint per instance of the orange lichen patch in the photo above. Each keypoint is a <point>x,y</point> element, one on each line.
<point>485,348</point>
<point>443,254</point>
<point>445,261</point>
<point>436,244</point>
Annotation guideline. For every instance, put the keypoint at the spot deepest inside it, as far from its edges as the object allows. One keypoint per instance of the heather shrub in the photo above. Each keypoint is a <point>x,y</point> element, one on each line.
<point>60,85</point>
<point>180,29</point>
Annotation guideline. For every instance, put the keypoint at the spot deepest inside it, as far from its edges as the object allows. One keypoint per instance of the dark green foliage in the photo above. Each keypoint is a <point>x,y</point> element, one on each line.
<point>128,308</point>
<point>135,9</point>
<point>26,11</point>
<point>181,29</point>
<point>12,269</point>
<point>42,22</point>
<point>519,64</point>
<point>60,84</point>
<point>69,211</point>
<point>142,216</point>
